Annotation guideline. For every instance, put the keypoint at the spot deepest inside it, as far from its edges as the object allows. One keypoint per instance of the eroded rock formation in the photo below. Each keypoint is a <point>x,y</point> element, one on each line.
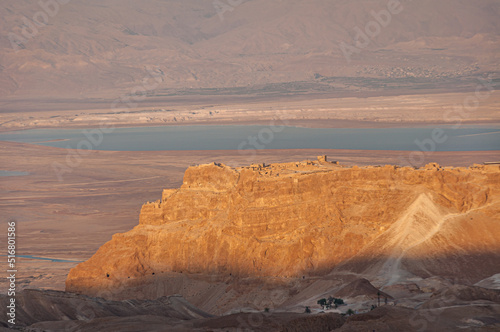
<point>295,220</point>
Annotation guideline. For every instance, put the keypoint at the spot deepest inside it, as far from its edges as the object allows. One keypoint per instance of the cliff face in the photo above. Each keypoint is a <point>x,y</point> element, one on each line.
<point>310,218</point>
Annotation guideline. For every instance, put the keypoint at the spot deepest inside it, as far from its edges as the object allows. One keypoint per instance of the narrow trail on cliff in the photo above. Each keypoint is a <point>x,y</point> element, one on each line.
<point>421,223</point>
<point>418,224</point>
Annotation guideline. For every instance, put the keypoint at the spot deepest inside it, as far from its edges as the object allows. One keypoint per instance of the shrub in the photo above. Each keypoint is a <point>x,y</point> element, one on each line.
<point>322,302</point>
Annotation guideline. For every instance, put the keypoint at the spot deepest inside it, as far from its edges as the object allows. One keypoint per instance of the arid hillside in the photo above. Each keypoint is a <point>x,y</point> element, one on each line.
<point>103,49</point>
<point>293,223</point>
<point>449,309</point>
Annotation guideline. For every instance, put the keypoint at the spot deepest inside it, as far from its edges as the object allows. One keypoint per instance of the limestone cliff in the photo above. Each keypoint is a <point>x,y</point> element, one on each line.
<point>306,219</point>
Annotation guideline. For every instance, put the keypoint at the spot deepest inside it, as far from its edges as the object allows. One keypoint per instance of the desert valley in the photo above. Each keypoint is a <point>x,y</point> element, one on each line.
<point>250,165</point>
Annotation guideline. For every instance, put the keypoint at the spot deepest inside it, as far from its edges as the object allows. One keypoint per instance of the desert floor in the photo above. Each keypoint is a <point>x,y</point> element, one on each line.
<point>349,112</point>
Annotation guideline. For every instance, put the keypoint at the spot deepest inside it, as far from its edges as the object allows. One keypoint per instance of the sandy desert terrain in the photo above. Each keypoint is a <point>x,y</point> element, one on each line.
<point>118,63</point>
<point>354,112</point>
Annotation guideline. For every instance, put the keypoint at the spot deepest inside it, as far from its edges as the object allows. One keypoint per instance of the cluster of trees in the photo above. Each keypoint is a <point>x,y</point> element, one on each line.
<point>331,301</point>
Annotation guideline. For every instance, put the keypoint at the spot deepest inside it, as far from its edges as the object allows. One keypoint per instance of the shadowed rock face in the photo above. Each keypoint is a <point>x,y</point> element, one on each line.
<point>449,309</point>
<point>33,306</point>
<point>303,219</point>
<point>361,287</point>
<point>60,311</point>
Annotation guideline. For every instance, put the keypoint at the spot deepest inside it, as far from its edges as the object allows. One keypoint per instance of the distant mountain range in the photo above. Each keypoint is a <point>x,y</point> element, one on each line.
<point>97,49</point>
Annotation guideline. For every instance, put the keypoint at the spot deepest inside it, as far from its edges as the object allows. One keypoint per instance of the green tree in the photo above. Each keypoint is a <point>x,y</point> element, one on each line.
<point>308,311</point>
<point>322,302</point>
<point>350,312</point>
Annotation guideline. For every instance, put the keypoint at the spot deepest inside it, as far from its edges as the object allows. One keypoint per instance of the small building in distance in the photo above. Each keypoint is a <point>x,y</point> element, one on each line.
<point>324,159</point>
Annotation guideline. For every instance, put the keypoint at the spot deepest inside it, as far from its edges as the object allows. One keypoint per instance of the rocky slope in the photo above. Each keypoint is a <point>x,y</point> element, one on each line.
<point>35,306</point>
<point>59,311</point>
<point>103,48</point>
<point>449,309</point>
<point>228,231</point>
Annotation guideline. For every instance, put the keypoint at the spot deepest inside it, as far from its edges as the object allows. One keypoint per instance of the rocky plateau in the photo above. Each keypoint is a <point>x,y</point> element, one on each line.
<point>282,236</point>
<point>253,248</point>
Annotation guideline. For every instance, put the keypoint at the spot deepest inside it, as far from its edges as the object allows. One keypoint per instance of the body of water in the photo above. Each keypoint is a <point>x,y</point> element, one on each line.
<point>55,260</point>
<point>264,137</point>
<point>12,173</point>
